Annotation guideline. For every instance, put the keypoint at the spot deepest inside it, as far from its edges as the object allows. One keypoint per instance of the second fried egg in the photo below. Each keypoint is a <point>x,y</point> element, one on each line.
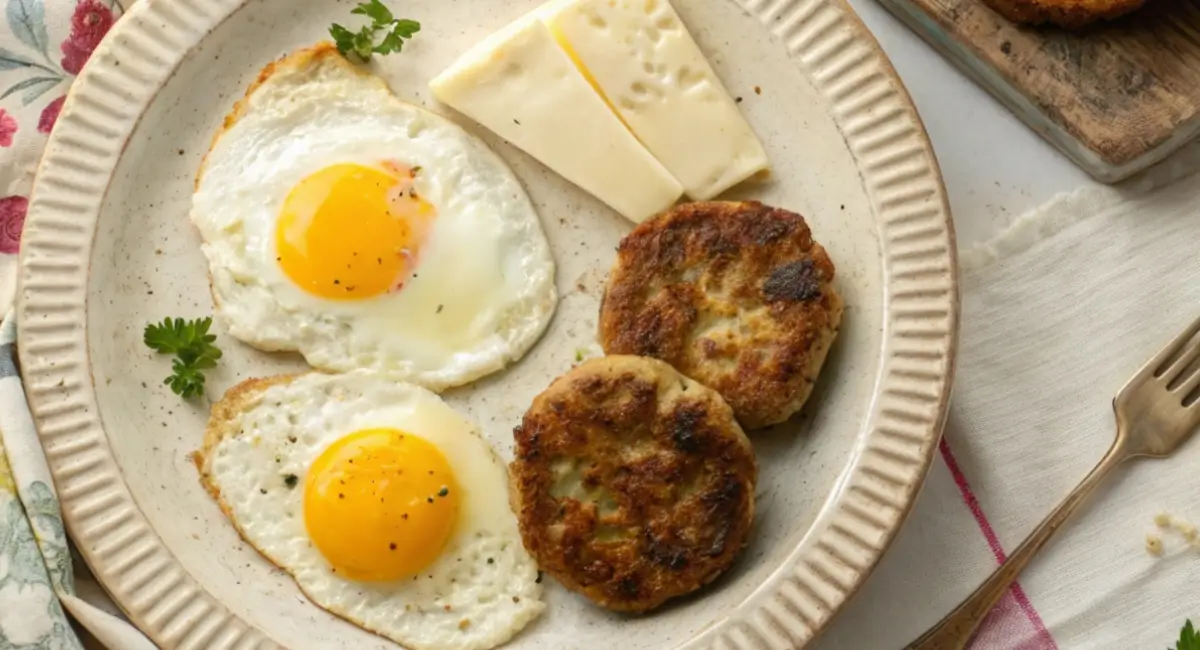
<point>365,232</point>
<point>385,505</point>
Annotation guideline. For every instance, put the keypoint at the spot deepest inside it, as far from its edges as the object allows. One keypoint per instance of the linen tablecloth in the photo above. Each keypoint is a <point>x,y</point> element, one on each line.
<point>1057,313</point>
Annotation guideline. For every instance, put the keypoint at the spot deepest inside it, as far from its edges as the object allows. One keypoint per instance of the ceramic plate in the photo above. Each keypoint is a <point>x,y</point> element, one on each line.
<point>108,248</point>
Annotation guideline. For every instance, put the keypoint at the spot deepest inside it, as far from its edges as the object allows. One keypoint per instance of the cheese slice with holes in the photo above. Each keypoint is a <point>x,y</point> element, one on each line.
<point>642,57</point>
<point>521,85</point>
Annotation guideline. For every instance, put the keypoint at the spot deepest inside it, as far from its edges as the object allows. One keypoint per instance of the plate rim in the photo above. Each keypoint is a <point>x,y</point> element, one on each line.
<point>858,521</point>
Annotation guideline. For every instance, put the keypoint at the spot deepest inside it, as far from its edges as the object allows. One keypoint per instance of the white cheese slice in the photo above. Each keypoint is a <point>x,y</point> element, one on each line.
<point>641,56</point>
<point>520,84</point>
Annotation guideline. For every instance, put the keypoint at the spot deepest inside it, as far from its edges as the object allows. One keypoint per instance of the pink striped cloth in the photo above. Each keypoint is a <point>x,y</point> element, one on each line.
<point>1058,313</point>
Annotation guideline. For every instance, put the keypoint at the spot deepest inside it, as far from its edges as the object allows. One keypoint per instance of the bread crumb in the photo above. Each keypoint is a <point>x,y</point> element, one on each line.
<point>1154,545</point>
<point>1185,528</point>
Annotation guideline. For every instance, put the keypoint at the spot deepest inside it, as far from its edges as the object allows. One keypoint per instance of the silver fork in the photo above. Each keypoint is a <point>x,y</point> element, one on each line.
<point>1157,411</point>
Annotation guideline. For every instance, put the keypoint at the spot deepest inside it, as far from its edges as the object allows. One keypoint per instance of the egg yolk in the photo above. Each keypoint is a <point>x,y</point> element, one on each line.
<point>349,232</point>
<point>380,504</point>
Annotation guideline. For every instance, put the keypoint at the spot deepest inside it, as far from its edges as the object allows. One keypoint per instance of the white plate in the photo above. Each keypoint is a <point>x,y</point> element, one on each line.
<point>108,248</point>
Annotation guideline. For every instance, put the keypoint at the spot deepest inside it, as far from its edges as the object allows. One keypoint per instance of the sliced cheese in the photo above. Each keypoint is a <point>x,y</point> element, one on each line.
<point>641,56</point>
<point>520,84</point>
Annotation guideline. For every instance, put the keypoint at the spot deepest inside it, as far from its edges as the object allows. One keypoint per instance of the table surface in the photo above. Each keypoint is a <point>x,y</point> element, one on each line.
<point>995,168</point>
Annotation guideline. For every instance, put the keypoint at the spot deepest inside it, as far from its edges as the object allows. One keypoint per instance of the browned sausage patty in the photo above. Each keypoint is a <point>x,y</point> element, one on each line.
<point>632,484</point>
<point>737,296</point>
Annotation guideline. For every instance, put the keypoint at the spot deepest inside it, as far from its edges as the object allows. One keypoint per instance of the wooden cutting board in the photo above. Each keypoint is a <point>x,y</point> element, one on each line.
<point>1116,98</point>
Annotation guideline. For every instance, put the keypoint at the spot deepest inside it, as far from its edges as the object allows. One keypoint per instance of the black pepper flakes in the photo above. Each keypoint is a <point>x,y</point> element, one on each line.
<point>539,578</point>
<point>439,309</point>
<point>392,546</point>
<point>491,561</point>
<point>291,480</point>
<point>429,499</point>
<point>444,491</point>
<point>263,490</point>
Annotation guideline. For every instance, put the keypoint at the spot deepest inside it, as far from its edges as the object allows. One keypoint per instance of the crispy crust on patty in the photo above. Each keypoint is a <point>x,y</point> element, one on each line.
<point>1071,14</point>
<point>632,484</point>
<point>735,295</point>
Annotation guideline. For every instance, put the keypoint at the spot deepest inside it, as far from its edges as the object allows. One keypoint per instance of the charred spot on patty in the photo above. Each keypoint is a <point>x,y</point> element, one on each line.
<point>795,282</point>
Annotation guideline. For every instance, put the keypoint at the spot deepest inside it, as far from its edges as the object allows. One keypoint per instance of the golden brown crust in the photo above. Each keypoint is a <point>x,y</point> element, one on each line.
<point>737,296</point>
<point>632,484</point>
<point>1071,14</point>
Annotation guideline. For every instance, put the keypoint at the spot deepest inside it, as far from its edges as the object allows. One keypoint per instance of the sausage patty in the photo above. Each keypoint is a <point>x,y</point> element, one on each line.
<point>737,296</point>
<point>632,483</point>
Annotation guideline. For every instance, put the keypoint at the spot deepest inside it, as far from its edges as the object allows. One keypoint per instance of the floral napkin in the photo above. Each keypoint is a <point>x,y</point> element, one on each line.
<point>43,45</point>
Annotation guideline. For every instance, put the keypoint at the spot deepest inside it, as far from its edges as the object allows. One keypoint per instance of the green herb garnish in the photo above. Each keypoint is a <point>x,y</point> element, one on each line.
<point>193,348</point>
<point>1188,638</point>
<point>362,43</point>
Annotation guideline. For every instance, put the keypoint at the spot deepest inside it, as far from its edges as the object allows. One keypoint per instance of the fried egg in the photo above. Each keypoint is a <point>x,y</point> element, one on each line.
<point>365,232</point>
<point>384,504</point>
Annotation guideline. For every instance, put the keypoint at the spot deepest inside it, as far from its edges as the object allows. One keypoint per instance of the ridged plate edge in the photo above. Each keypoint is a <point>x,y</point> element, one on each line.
<point>898,168</point>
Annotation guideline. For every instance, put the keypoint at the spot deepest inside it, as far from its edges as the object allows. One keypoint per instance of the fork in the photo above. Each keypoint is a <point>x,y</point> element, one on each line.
<point>1157,411</point>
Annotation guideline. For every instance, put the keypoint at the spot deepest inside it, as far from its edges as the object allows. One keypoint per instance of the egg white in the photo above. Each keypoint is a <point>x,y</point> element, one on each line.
<point>484,576</point>
<point>483,290</point>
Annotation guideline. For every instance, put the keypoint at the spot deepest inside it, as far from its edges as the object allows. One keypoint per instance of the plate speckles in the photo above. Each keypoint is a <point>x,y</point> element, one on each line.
<point>839,129</point>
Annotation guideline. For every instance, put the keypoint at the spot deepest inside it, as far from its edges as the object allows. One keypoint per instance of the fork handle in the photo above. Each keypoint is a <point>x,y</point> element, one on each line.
<point>954,631</point>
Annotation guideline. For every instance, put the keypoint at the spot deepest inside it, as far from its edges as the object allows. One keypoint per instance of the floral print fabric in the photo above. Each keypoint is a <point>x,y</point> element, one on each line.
<point>44,44</point>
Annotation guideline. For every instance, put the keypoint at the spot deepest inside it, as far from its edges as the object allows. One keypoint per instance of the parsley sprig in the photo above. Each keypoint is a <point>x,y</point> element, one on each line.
<point>1188,638</point>
<point>193,348</point>
<point>362,43</point>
